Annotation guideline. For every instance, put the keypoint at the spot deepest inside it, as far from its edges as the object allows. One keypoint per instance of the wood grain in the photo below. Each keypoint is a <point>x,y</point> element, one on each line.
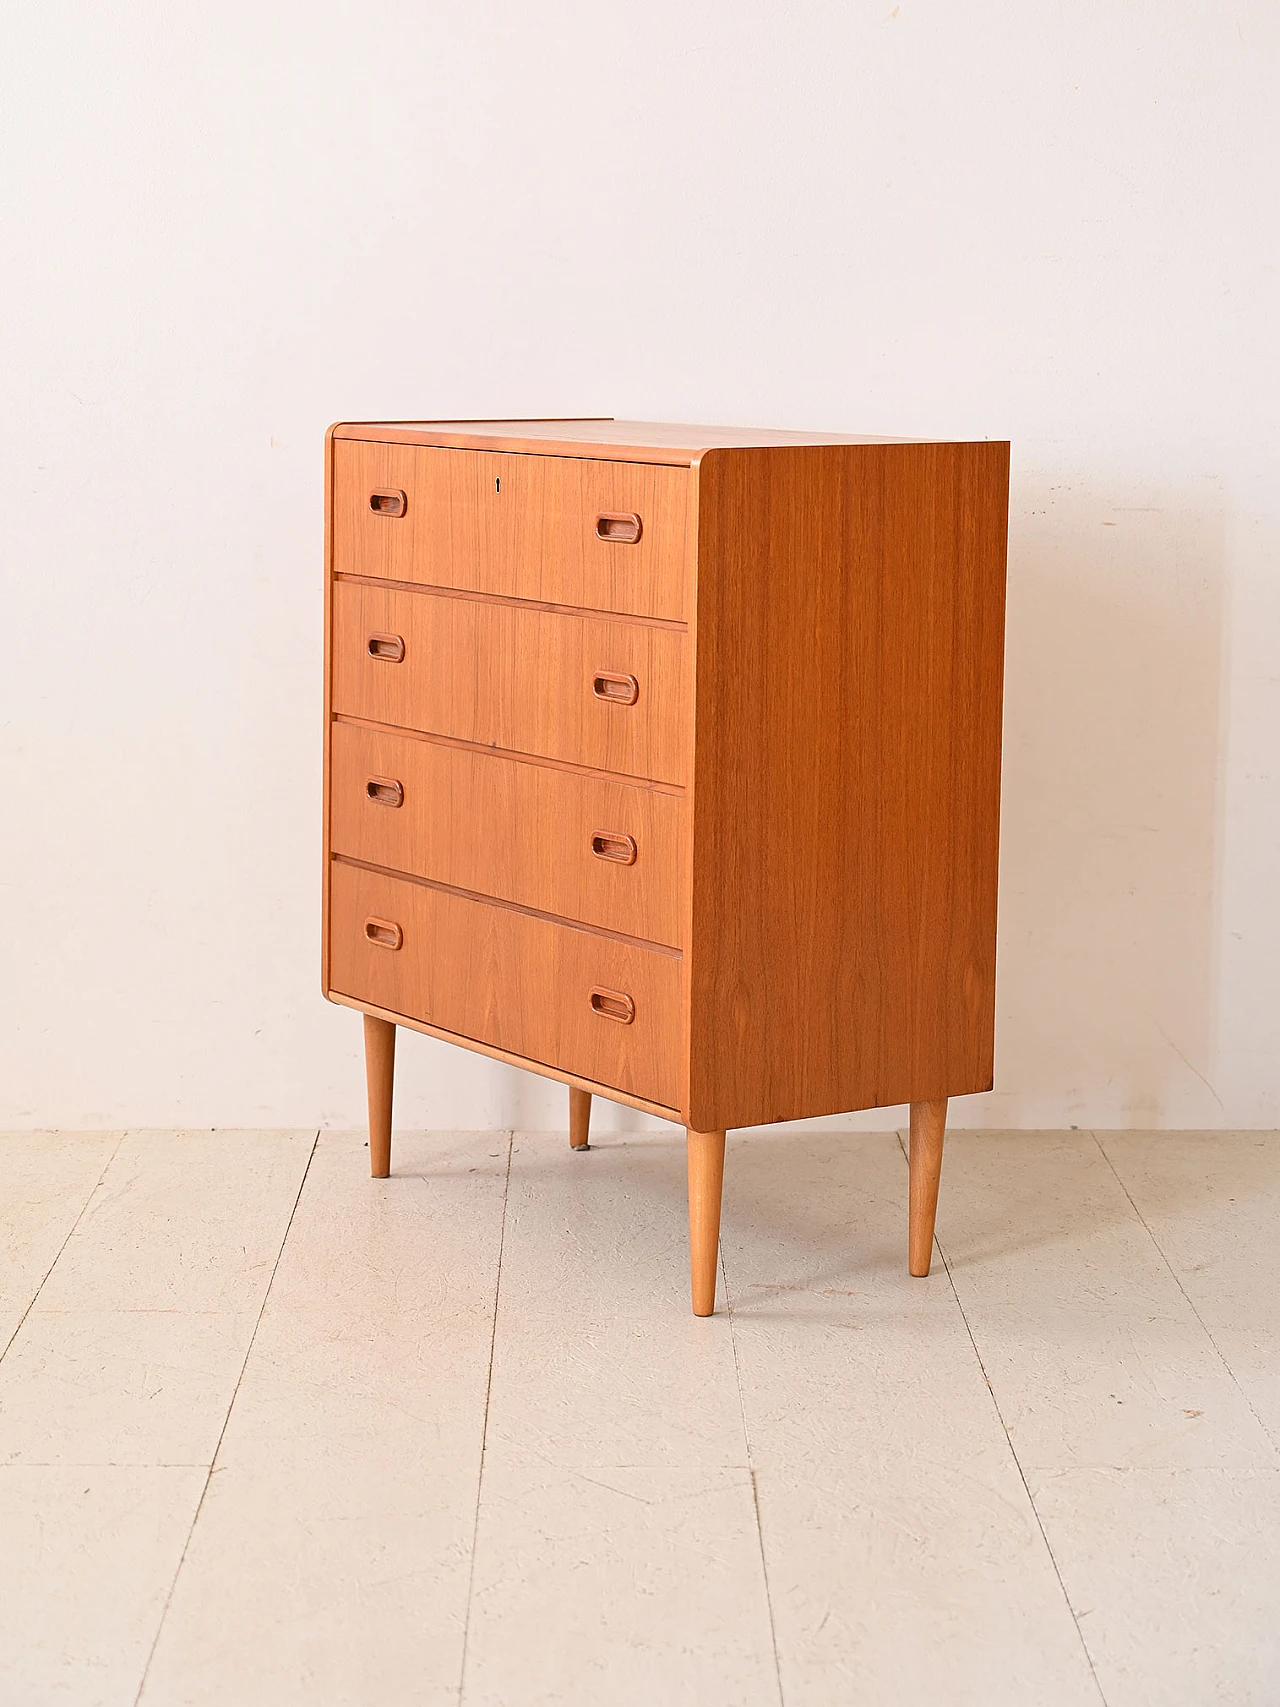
<point>627,441</point>
<point>524,526</point>
<point>513,677</point>
<point>849,647</point>
<point>506,978</point>
<point>833,710</point>
<point>518,831</point>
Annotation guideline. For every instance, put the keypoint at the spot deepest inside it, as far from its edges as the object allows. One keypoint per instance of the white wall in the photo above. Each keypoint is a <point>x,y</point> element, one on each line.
<point>226,225</point>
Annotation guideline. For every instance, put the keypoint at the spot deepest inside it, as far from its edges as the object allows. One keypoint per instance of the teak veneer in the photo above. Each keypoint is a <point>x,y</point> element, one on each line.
<point>665,761</point>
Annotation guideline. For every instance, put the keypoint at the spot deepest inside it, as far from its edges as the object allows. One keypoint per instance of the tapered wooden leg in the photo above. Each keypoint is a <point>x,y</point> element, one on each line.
<point>706,1178</point>
<point>928,1128</point>
<point>379,1070</point>
<point>579,1118</point>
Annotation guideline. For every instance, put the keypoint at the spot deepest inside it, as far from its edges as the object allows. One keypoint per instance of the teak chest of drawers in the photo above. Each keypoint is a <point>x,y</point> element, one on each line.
<point>665,761</point>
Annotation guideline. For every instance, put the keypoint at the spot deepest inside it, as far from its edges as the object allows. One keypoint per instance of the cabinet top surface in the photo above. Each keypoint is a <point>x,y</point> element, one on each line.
<point>645,441</point>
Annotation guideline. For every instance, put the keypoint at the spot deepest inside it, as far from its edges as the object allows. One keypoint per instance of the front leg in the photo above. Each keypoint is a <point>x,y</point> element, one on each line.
<point>706,1181</point>
<point>924,1162</point>
<point>379,1069</point>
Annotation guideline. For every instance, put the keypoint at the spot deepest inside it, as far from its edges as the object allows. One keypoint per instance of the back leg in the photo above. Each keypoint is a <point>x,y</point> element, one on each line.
<point>579,1118</point>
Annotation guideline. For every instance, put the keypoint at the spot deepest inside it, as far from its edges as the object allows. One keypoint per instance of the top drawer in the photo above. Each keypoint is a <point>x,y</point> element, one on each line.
<point>558,529</point>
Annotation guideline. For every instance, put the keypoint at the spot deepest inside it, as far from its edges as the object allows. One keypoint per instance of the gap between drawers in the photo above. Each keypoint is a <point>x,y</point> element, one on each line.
<point>485,598</point>
<point>623,777</point>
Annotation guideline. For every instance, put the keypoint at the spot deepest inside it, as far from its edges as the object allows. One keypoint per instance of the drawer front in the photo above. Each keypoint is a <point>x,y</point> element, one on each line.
<point>506,676</point>
<point>508,979</point>
<point>605,853</point>
<point>527,526</point>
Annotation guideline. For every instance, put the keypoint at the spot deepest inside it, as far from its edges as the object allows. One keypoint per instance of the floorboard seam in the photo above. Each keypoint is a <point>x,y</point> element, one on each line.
<point>84,1207</point>
<point>1208,1332</point>
<point>213,1462</point>
<point>751,1472</point>
<point>1013,1453</point>
<point>484,1430</point>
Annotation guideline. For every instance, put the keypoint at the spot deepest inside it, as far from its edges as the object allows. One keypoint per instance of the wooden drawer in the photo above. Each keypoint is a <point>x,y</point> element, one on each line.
<point>527,526</point>
<point>511,980</point>
<point>605,853</point>
<point>514,677</point>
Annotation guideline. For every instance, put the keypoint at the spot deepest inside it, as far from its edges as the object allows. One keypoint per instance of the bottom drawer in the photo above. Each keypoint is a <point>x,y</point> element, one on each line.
<point>605,1010</point>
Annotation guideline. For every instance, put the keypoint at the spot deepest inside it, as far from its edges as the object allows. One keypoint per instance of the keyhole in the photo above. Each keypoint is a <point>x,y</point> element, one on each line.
<point>497,485</point>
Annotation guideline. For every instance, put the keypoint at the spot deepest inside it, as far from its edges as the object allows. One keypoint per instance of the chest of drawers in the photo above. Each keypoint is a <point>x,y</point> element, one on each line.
<point>665,761</point>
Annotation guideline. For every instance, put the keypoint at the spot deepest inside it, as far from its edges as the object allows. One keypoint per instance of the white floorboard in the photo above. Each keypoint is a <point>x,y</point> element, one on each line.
<point>271,1432</point>
<point>332,1558</point>
<point>598,1361</point>
<point>905,1560</point>
<point>1212,1204</point>
<point>46,1180</point>
<point>1094,1353</point>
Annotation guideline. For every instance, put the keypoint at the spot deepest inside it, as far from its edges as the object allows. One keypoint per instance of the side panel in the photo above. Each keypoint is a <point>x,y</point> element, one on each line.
<point>845,803</point>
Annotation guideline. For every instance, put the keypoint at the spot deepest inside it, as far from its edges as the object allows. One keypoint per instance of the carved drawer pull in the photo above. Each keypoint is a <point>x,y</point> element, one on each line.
<point>383,933</point>
<point>624,530</point>
<point>388,503</point>
<point>621,849</point>
<point>385,791</point>
<point>612,1004</point>
<point>388,647</point>
<point>618,690</point>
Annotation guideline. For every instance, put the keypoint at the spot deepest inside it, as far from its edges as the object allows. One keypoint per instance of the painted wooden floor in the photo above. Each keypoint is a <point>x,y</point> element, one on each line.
<point>273,1433</point>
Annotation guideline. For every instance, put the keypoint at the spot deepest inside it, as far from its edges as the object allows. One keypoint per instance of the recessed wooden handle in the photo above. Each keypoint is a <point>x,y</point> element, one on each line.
<point>388,502</point>
<point>385,791</point>
<point>623,530</point>
<point>618,690</point>
<point>612,1004</point>
<point>383,933</point>
<point>620,849</point>
<point>388,647</point>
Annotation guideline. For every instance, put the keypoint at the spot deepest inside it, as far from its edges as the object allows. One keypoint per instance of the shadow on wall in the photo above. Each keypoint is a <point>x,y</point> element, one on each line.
<point>1112,807</point>
<point>1111,826</point>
